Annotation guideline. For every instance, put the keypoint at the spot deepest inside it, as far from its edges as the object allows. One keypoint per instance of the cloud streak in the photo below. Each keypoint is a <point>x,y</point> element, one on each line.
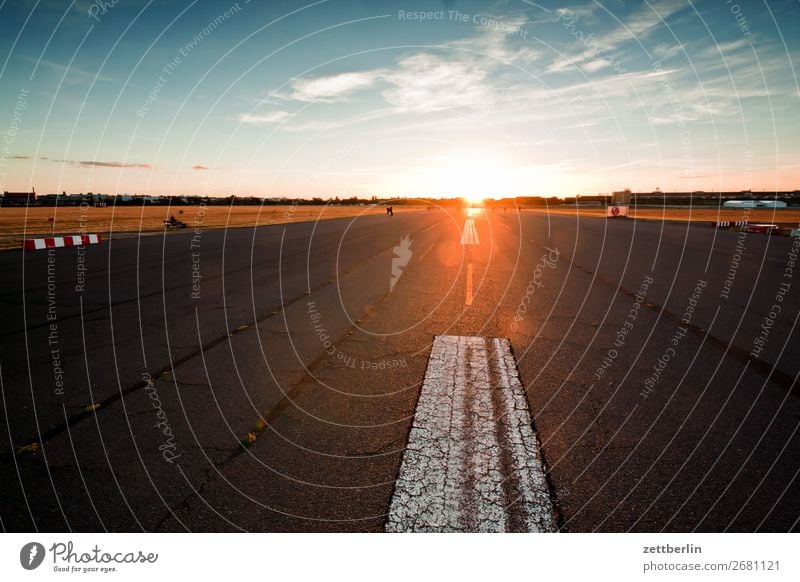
<point>264,118</point>
<point>104,164</point>
<point>334,87</point>
<point>426,82</point>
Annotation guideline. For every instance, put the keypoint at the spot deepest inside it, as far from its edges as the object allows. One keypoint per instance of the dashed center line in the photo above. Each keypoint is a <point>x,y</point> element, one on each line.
<point>469,236</point>
<point>468,299</point>
<point>473,462</point>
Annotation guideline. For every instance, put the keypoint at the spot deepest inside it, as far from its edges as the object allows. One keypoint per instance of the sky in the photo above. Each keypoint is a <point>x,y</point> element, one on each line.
<point>398,98</point>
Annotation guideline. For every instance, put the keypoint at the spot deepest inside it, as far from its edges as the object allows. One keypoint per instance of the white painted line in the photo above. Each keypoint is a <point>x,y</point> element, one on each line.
<point>517,432</point>
<point>469,236</point>
<point>473,462</point>
<point>468,298</point>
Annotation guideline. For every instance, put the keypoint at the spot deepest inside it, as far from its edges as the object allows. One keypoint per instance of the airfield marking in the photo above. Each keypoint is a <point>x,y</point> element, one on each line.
<point>469,236</point>
<point>473,462</point>
<point>468,299</point>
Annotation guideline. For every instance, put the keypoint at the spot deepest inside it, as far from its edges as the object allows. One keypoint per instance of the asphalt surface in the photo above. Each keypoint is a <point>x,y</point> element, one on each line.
<point>266,379</point>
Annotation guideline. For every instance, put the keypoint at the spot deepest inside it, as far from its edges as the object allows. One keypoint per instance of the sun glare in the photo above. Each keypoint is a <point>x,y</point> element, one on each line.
<point>473,175</point>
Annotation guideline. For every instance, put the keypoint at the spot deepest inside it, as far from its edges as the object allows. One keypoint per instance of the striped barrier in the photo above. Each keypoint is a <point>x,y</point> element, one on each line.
<point>57,242</point>
<point>728,223</point>
<point>616,211</point>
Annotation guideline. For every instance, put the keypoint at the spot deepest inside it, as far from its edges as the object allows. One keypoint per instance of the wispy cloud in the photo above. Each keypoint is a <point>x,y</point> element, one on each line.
<point>103,164</point>
<point>584,11</point>
<point>582,22</point>
<point>332,88</point>
<point>322,126</point>
<point>426,82</point>
<point>494,43</point>
<point>620,166</point>
<point>96,164</point>
<point>583,124</point>
<point>72,75</point>
<point>200,168</point>
<point>264,118</point>
<point>643,21</point>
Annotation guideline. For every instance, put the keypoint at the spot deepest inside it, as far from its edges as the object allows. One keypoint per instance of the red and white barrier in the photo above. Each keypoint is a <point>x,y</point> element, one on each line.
<point>57,242</point>
<point>616,211</point>
<point>728,223</point>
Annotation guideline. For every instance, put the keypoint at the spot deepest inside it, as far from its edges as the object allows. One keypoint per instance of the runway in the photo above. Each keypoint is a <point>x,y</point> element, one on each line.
<point>268,379</point>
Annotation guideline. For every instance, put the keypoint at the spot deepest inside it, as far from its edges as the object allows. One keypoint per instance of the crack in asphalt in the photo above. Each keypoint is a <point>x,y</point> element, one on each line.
<point>769,371</point>
<point>473,461</point>
<point>104,404</point>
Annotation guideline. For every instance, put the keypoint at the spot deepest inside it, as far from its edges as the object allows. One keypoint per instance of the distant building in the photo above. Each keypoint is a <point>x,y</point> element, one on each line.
<point>593,200</point>
<point>770,199</point>
<point>621,198</point>
<point>74,199</point>
<point>754,204</point>
<point>48,199</point>
<point>18,198</point>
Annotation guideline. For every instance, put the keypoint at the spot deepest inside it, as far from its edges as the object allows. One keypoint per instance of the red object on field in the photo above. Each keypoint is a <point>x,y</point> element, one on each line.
<point>616,211</point>
<point>761,228</point>
<point>56,242</point>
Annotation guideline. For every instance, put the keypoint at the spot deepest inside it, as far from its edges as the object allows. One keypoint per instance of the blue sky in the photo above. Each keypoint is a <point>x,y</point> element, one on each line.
<point>342,97</point>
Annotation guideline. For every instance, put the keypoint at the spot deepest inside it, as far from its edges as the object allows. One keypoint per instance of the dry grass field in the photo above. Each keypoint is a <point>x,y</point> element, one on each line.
<point>17,224</point>
<point>781,216</point>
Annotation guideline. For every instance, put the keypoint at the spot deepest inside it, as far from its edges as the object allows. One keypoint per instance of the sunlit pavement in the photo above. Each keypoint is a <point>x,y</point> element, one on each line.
<point>267,380</point>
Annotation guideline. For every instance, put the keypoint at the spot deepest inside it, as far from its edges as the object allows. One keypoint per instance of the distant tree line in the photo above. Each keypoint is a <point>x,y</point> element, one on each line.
<point>95,199</point>
<point>644,198</point>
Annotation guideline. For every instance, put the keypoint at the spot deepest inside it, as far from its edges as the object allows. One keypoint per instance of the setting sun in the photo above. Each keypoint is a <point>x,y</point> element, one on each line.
<point>456,266</point>
<point>473,175</point>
